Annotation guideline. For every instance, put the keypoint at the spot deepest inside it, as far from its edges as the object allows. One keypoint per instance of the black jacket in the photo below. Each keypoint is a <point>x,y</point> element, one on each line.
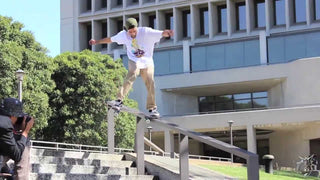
<point>8,145</point>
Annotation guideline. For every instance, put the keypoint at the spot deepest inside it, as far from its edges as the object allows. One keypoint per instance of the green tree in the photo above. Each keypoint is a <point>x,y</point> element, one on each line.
<point>84,80</point>
<point>19,50</point>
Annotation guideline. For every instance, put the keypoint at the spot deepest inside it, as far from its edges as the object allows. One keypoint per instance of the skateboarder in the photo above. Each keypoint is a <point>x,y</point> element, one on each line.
<point>139,42</point>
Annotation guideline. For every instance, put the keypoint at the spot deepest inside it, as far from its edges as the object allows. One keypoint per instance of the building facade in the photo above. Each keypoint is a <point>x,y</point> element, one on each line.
<point>255,62</point>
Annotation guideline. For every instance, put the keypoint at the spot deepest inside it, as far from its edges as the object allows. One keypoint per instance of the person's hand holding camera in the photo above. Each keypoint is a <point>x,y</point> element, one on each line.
<point>27,124</point>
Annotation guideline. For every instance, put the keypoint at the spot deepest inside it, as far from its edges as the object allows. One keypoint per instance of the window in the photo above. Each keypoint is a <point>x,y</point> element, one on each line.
<point>119,25</point>
<point>104,33</point>
<point>204,27</point>
<point>241,15</point>
<point>279,12</point>
<point>152,21</point>
<point>89,35</point>
<point>119,2</point>
<point>169,22</point>
<point>88,5</point>
<point>233,102</point>
<point>103,3</point>
<point>186,23</point>
<point>222,19</point>
<point>260,13</point>
<point>299,11</point>
<point>317,9</point>
<point>135,1</point>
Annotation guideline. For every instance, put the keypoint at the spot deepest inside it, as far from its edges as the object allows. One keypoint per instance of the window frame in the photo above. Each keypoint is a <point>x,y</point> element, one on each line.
<point>237,5</point>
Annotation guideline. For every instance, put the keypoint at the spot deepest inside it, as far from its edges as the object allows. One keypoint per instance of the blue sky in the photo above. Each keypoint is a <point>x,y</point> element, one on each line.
<point>41,17</point>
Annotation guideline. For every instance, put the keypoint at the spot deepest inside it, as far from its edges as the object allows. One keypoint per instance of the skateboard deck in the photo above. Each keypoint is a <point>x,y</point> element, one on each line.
<point>118,109</point>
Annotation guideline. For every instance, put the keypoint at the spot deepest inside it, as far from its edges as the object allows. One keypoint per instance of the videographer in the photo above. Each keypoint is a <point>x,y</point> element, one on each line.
<point>14,129</point>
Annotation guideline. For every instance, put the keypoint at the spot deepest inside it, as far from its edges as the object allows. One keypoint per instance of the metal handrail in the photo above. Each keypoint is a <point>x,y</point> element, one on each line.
<point>252,159</point>
<point>118,150</point>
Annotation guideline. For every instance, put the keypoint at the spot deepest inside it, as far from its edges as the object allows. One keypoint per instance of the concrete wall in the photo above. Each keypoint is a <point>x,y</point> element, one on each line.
<point>288,145</point>
<point>68,25</point>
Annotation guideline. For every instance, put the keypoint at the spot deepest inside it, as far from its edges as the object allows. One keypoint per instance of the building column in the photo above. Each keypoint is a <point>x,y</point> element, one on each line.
<point>263,47</point>
<point>213,20</point>
<point>289,13</point>
<point>269,10</point>
<point>251,139</point>
<point>231,17</point>
<point>186,56</point>
<point>169,143</point>
<point>309,11</point>
<point>249,16</point>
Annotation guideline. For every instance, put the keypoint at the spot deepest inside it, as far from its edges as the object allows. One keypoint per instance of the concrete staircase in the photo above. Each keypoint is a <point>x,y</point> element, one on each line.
<point>71,165</point>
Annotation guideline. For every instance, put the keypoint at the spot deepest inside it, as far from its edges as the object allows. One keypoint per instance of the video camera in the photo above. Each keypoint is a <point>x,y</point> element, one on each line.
<point>20,119</point>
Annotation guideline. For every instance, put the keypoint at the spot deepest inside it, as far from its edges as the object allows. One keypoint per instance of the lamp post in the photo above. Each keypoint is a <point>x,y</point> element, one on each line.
<point>149,131</point>
<point>231,138</point>
<point>19,75</point>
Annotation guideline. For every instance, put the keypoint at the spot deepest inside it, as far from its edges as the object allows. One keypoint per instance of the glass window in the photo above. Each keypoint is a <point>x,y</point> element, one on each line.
<point>224,106</point>
<point>243,104</point>
<point>169,20</point>
<point>300,10</point>
<point>119,2</point>
<point>317,9</point>
<point>242,96</point>
<point>222,19</point>
<point>204,27</point>
<point>259,94</point>
<point>233,102</point>
<point>260,13</point>
<point>135,1</point>
<point>241,15</point>
<point>104,33</point>
<point>260,103</point>
<point>186,23</point>
<point>279,12</point>
<point>89,35</point>
<point>88,5</point>
<point>103,3</point>
<point>152,21</point>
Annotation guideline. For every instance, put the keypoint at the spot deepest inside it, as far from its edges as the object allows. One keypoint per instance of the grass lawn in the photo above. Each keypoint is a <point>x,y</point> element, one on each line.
<point>241,173</point>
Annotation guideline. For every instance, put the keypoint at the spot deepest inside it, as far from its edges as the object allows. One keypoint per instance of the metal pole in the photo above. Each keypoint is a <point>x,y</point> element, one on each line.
<point>20,90</point>
<point>140,145</point>
<point>231,137</point>
<point>149,131</point>
<point>111,131</point>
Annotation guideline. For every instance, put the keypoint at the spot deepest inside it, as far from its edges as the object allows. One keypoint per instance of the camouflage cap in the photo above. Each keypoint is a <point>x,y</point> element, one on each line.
<point>12,107</point>
<point>130,23</point>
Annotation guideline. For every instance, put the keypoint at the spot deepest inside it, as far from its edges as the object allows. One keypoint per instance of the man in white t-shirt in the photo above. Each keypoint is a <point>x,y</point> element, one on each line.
<point>139,42</point>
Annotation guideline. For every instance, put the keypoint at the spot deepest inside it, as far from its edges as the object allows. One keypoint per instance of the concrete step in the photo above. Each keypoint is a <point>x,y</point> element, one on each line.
<point>74,161</point>
<point>74,154</point>
<point>63,176</point>
<point>80,169</point>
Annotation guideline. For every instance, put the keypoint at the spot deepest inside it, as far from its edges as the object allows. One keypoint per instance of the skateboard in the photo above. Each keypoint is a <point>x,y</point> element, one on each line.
<point>118,109</point>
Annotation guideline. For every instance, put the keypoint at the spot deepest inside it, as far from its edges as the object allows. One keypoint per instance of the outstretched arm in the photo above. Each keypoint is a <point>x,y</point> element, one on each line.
<point>101,41</point>
<point>167,33</point>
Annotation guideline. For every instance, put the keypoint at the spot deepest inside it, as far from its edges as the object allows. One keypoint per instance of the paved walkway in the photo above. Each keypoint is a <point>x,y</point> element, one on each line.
<point>195,172</point>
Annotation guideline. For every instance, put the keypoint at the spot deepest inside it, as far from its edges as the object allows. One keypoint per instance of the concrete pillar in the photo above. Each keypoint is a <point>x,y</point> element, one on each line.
<point>213,20</point>
<point>161,20</point>
<point>186,56</point>
<point>250,16</point>
<point>231,18</point>
<point>269,11</point>
<point>263,47</point>
<point>169,143</point>
<point>309,11</point>
<point>195,20</point>
<point>177,16</point>
<point>289,13</point>
<point>251,139</point>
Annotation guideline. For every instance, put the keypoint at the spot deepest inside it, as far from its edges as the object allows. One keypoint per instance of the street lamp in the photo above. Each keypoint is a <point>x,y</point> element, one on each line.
<point>149,131</point>
<point>19,75</point>
<point>231,138</point>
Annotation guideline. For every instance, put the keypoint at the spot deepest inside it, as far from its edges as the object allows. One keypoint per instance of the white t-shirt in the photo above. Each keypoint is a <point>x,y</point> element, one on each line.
<point>140,49</point>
